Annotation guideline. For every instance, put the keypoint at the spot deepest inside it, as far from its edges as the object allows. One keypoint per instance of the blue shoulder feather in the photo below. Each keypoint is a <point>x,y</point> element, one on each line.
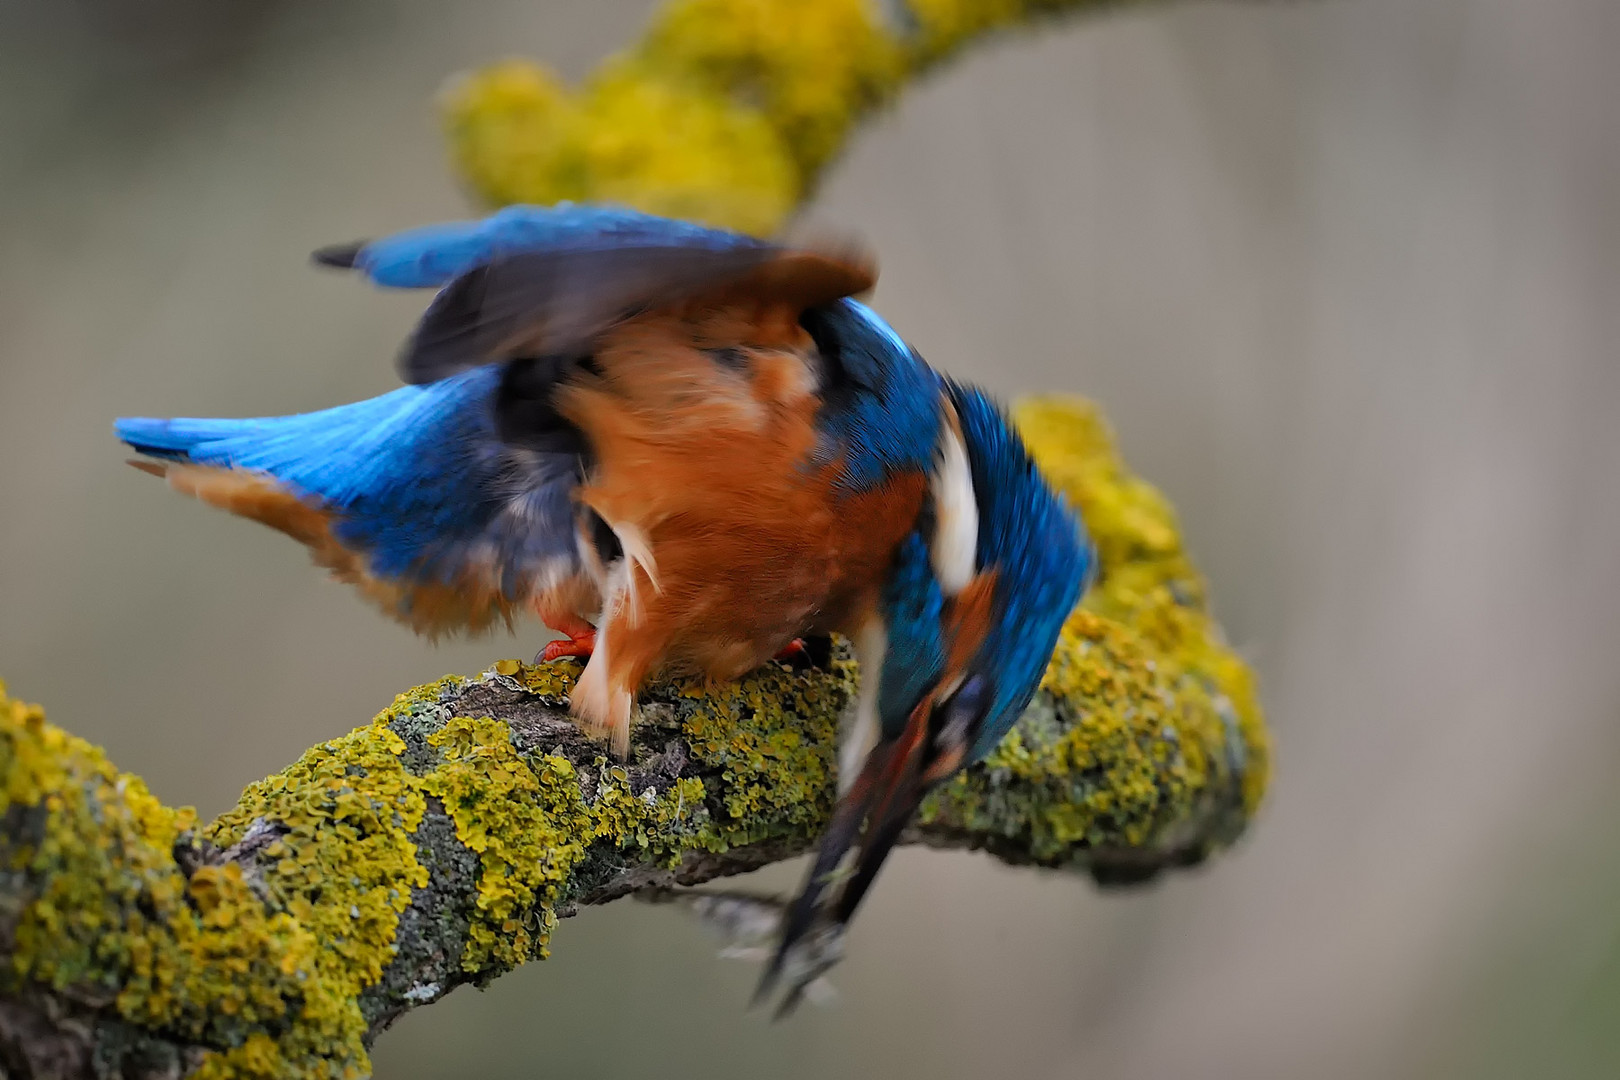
<point>881,404</point>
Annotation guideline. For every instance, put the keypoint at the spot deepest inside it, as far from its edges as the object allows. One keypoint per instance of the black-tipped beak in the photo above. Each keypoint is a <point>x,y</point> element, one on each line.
<point>342,256</point>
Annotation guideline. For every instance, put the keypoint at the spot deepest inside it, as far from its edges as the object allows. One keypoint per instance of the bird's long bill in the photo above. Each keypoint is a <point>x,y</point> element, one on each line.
<point>884,796</point>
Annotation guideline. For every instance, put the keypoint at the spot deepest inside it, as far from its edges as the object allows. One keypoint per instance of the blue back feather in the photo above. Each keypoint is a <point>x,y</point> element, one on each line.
<point>549,281</point>
<point>420,478</point>
<point>881,408</point>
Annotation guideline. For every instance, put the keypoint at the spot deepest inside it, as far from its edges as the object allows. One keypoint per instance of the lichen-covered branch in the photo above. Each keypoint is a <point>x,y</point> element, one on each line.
<point>725,111</point>
<point>440,844</point>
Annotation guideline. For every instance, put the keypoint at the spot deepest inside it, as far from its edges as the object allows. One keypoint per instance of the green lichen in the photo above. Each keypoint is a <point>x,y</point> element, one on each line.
<point>766,738</point>
<point>528,825</point>
<point>1146,722</point>
<point>107,914</point>
<point>260,947</point>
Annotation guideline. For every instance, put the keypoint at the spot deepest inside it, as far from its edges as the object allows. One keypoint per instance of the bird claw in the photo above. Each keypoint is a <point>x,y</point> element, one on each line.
<point>577,643</point>
<point>806,653</point>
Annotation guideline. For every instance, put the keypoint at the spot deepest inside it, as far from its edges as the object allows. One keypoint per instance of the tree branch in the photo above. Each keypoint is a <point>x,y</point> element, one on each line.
<point>724,111</point>
<point>440,844</point>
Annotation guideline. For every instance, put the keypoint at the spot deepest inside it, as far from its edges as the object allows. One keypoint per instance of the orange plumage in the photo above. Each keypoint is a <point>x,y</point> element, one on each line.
<point>708,466</point>
<point>620,421</point>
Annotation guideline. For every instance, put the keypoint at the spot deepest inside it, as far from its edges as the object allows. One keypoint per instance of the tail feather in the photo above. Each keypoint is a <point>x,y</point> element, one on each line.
<point>884,797</point>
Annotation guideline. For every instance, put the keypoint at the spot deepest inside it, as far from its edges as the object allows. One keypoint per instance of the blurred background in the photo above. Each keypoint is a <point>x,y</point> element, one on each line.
<point>1345,275</point>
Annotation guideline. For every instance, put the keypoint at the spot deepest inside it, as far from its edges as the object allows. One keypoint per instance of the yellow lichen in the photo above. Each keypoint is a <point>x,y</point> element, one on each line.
<point>1146,732</point>
<point>528,818</point>
<point>204,961</point>
<point>676,149</point>
<point>725,112</point>
<point>1148,584</point>
<point>810,69</point>
<point>343,867</point>
<point>945,25</point>
<point>529,826</point>
<point>772,735</point>
<point>1144,713</point>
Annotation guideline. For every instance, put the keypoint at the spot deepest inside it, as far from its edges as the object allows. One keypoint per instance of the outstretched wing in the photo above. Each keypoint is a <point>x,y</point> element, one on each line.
<point>548,281</point>
<point>452,501</point>
<point>412,496</point>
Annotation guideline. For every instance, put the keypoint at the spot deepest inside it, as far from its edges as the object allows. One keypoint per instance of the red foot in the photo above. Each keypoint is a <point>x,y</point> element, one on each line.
<point>793,651</point>
<point>580,640</point>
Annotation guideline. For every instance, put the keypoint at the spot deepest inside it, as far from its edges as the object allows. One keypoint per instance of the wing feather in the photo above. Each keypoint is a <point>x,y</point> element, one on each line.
<point>537,281</point>
<point>417,483</point>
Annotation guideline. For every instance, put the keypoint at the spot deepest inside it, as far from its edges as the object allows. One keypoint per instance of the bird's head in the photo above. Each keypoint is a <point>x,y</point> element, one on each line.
<point>979,593</point>
<point>968,618</point>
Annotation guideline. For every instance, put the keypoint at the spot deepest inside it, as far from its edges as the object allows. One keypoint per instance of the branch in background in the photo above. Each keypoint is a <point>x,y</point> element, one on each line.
<point>440,844</point>
<point>725,112</point>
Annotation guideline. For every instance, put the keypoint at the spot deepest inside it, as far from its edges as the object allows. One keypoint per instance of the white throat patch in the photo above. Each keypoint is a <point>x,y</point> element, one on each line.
<point>955,543</point>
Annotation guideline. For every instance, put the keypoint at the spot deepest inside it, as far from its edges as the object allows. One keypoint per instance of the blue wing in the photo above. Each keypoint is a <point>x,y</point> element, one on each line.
<point>539,281</point>
<point>417,480</point>
<point>434,255</point>
<point>473,470</point>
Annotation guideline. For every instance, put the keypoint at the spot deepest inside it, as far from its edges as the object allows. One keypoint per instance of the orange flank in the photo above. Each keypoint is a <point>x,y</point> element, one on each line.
<point>734,545</point>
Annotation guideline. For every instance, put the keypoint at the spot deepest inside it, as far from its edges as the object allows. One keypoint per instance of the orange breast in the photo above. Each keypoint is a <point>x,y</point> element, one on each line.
<point>702,422</point>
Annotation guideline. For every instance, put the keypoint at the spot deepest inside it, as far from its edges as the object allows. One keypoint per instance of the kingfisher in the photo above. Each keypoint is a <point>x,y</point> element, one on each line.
<point>688,449</point>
